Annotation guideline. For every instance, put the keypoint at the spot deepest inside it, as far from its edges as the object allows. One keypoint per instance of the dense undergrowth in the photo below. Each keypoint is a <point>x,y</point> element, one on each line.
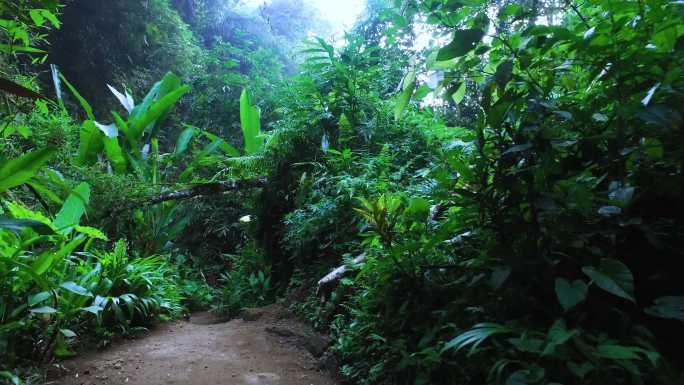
<point>509,172</point>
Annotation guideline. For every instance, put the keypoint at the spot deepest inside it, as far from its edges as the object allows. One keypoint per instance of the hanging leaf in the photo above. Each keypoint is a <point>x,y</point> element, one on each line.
<point>612,276</point>
<point>184,140</point>
<point>460,93</point>
<point>81,100</point>
<point>570,295</point>
<point>115,155</point>
<point>73,209</point>
<point>667,307</point>
<point>19,90</point>
<point>464,41</point>
<point>250,118</point>
<point>91,143</point>
<point>408,86</point>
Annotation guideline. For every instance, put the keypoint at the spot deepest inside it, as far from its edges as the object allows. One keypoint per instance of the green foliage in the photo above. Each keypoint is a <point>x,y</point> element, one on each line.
<point>127,142</point>
<point>250,118</point>
<point>18,171</point>
<point>52,290</point>
<point>22,26</point>
<point>248,284</point>
<point>513,186</point>
<point>532,221</point>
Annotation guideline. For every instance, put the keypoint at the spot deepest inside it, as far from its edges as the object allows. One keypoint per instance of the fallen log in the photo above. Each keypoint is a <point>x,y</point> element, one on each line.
<point>328,283</point>
<point>208,189</point>
<point>199,190</point>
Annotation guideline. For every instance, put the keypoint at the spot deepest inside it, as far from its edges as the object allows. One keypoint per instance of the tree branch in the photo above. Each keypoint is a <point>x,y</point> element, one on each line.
<point>207,189</point>
<point>192,192</point>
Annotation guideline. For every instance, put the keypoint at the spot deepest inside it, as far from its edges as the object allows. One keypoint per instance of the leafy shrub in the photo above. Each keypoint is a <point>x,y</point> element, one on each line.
<point>247,284</point>
<point>135,289</point>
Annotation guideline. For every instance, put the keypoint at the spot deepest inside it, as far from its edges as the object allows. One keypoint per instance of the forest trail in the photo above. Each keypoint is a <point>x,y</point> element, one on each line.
<point>268,346</point>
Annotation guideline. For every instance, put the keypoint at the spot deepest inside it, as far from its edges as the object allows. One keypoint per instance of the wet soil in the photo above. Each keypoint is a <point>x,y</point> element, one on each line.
<point>209,351</point>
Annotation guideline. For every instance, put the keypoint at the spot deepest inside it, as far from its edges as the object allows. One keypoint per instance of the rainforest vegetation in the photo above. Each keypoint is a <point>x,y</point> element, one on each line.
<point>502,180</point>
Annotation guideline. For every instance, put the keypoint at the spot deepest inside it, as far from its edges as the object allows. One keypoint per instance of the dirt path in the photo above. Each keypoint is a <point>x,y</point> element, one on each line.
<point>271,348</point>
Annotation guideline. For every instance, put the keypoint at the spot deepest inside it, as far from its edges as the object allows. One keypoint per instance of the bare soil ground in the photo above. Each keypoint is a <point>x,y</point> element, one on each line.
<point>267,347</point>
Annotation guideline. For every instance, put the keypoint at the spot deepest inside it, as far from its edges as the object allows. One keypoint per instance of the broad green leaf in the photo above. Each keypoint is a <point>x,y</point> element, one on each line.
<point>464,41</point>
<point>155,113</point>
<point>75,288</point>
<point>93,309</point>
<point>73,209</point>
<point>250,119</point>
<point>44,191</point>
<point>213,146</point>
<point>18,211</point>
<point>122,126</point>
<point>557,335</point>
<point>91,143</point>
<point>417,209</point>
<point>667,307</point>
<point>20,170</point>
<point>51,16</point>
<point>409,85</point>
<point>184,140</point>
<point>459,94</point>
<point>44,310</point>
<point>475,336</point>
<point>152,95</point>
<point>81,100</point>
<point>225,147</point>
<point>18,48</point>
<point>48,258</point>
<point>580,370</point>
<point>620,352</point>
<point>28,270</point>
<point>91,232</point>
<point>612,276</point>
<point>115,155</point>
<point>19,224</point>
<point>569,295</point>
<point>68,333</point>
<point>38,298</point>
<point>37,17</point>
